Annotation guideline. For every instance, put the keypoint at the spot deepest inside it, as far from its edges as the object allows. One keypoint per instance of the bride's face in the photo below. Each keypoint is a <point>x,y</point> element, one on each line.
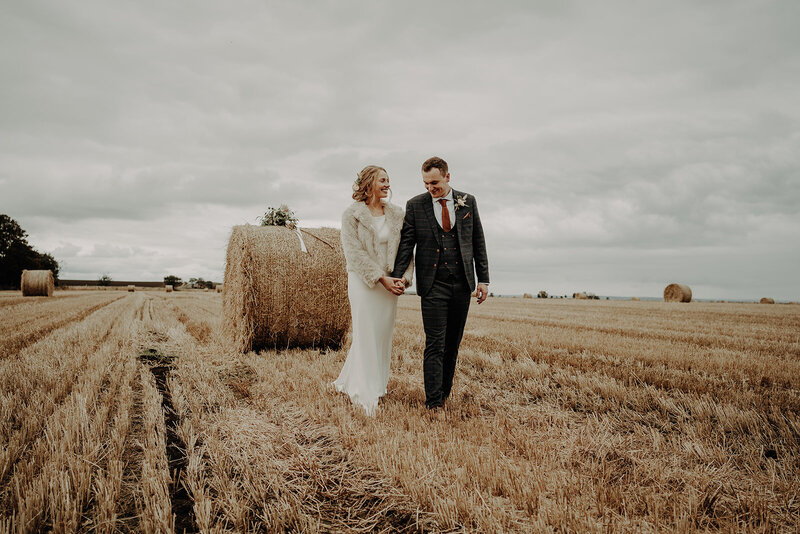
<point>380,187</point>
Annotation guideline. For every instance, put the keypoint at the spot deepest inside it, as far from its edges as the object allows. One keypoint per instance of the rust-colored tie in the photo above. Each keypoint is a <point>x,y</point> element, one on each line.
<point>445,215</point>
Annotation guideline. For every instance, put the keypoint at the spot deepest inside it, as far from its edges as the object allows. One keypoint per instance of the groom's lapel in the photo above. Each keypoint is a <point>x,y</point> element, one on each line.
<point>461,213</point>
<point>435,228</point>
<point>458,213</point>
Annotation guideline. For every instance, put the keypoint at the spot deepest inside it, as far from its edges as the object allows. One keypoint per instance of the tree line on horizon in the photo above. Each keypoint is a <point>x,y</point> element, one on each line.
<point>171,280</point>
<point>16,255</point>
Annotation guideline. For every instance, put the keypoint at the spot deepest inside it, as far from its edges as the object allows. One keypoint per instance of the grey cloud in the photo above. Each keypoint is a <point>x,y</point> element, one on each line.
<point>100,190</point>
<point>639,128</point>
<point>693,188</point>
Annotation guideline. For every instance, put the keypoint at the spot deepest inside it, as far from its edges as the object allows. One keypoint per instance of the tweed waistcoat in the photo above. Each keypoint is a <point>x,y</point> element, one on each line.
<point>449,261</point>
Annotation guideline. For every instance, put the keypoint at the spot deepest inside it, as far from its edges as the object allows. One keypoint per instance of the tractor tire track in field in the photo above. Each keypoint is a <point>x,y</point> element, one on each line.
<point>182,505</point>
<point>14,344</point>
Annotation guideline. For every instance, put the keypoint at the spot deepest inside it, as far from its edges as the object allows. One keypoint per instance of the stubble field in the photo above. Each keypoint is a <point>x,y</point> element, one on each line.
<point>127,412</point>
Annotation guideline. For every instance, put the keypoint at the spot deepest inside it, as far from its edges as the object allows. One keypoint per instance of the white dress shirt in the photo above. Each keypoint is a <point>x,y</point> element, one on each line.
<point>437,209</point>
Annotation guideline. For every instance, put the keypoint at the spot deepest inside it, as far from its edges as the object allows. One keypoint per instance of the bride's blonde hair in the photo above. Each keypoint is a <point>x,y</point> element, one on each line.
<point>363,184</point>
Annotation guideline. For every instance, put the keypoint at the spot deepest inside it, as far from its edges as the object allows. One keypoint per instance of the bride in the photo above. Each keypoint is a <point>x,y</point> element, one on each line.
<point>370,236</point>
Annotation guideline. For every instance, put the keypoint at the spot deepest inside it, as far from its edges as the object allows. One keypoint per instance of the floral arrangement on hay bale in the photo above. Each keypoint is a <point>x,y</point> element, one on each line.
<point>285,286</point>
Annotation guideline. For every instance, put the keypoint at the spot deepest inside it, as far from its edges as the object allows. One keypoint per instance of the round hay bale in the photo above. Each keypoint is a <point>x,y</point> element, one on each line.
<point>37,283</point>
<point>205,290</point>
<point>635,298</point>
<point>677,293</point>
<point>527,296</point>
<point>168,288</point>
<point>277,296</point>
<point>131,288</point>
<point>581,295</point>
<point>767,300</point>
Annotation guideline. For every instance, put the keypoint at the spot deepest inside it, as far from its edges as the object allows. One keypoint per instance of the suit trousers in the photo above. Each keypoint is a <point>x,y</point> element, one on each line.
<point>444,314</point>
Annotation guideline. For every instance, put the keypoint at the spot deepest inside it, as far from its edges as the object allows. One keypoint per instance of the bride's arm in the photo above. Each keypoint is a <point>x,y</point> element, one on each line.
<point>404,259</point>
<point>356,255</point>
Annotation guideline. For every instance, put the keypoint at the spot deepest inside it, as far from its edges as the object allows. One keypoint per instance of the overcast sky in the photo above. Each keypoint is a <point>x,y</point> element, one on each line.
<point>613,147</point>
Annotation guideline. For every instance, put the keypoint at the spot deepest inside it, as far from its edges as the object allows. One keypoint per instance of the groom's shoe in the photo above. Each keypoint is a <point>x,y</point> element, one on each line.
<point>431,404</point>
<point>435,412</point>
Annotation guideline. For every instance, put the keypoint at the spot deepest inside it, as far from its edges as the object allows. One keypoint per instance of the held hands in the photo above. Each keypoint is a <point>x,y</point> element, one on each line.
<point>482,292</point>
<point>396,286</point>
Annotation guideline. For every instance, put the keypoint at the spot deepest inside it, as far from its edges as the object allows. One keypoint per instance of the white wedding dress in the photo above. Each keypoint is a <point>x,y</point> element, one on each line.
<point>366,370</point>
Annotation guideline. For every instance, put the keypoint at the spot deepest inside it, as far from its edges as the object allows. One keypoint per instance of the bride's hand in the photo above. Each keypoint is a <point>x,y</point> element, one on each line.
<point>392,285</point>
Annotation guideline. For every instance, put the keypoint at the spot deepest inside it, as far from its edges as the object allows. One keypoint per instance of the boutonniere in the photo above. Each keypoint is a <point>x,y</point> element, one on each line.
<point>461,202</point>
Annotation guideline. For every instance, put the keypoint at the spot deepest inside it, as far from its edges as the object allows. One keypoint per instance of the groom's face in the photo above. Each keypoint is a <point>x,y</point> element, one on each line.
<point>436,183</point>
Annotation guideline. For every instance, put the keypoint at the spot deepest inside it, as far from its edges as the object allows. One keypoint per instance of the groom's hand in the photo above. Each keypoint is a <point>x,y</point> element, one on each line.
<point>393,285</point>
<point>399,286</point>
<point>482,292</point>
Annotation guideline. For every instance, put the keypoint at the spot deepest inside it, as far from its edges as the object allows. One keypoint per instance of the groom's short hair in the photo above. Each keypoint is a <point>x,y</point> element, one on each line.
<point>435,163</point>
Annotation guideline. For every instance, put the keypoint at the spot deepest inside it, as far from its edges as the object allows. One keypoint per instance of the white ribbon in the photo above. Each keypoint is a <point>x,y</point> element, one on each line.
<point>302,243</point>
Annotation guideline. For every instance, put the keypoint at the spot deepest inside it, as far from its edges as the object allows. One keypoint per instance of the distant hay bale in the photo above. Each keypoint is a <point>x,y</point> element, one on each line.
<point>276,295</point>
<point>527,296</point>
<point>131,288</point>
<point>677,293</point>
<point>581,295</point>
<point>767,300</point>
<point>168,288</point>
<point>37,283</point>
<point>635,298</point>
<point>205,290</point>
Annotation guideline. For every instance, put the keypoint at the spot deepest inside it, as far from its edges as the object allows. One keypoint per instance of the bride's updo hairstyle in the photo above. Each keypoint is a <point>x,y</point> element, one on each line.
<point>362,187</point>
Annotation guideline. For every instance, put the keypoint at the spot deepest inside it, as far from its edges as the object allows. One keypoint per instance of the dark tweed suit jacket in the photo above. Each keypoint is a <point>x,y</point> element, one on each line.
<point>420,229</point>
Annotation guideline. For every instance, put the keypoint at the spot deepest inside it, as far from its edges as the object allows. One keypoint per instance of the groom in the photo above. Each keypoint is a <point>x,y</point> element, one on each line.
<point>445,227</point>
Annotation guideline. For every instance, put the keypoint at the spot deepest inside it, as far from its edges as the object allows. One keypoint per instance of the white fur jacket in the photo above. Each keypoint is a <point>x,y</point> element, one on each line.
<point>360,243</point>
